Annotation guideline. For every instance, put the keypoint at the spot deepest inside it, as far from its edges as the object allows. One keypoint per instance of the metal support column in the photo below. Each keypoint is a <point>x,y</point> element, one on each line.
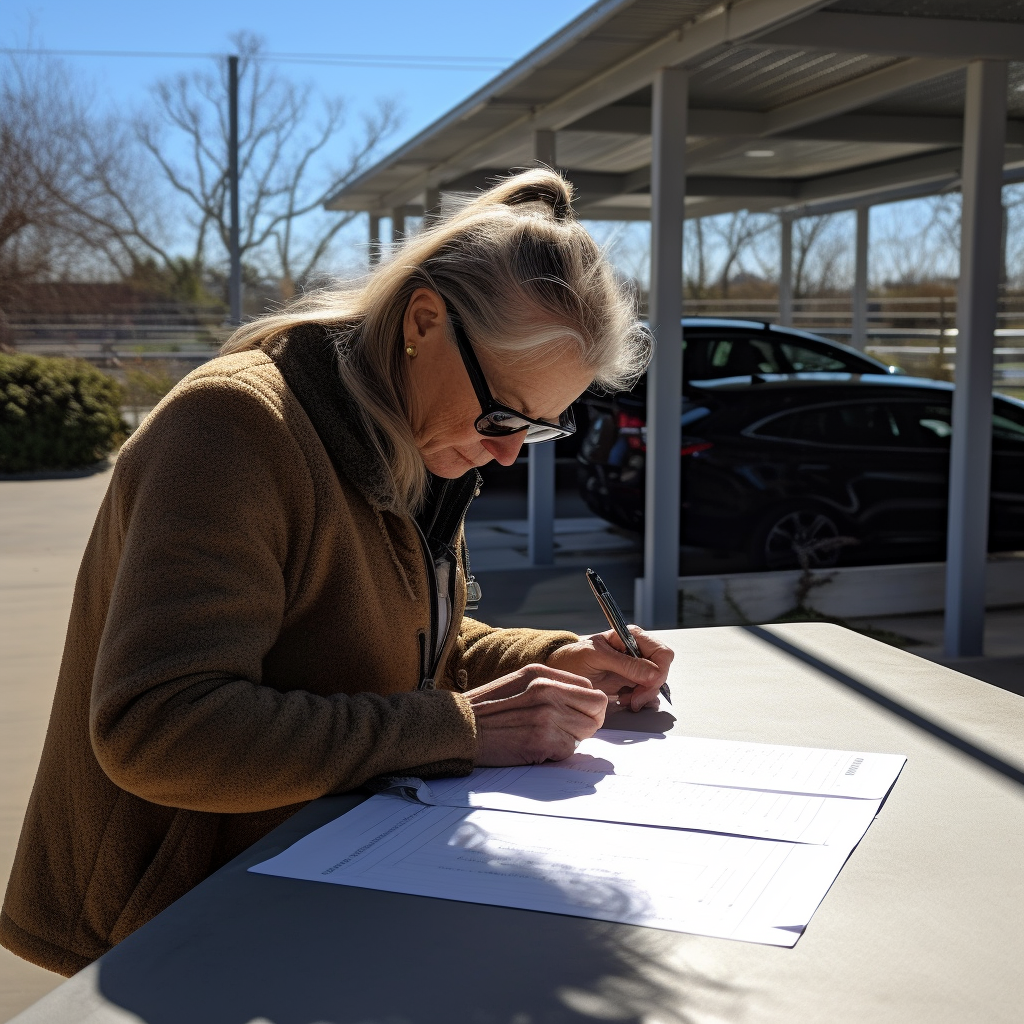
<point>234,245</point>
<point>859,299</point>
<point>544,148</point>
<point>397,225</point>
<point>971,454</point>
<point>540,497</point>
<point>431,206</point>
<point>786,270</point>
<point>660,589</point>
<point>373,251</point>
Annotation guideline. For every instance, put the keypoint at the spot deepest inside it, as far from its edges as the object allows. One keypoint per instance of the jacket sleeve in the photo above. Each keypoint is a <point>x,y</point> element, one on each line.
<point>485,653</point>
<point>216,515</point>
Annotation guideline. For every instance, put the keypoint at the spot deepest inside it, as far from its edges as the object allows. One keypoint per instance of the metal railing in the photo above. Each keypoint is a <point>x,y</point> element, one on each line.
<point>169,333</point>
<point>917,333</point>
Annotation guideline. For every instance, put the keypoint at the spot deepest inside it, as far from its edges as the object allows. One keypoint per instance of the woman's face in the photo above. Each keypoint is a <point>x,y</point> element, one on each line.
<point>444,408</point>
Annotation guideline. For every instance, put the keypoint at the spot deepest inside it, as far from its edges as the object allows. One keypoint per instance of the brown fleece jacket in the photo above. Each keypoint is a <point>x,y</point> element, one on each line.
<point>245,637</point>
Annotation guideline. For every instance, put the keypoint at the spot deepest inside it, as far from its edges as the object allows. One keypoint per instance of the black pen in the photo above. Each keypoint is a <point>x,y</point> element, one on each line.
<point>614,616</point>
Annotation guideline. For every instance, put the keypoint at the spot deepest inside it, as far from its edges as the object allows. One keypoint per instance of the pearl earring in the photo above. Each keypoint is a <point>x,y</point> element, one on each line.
<point>410,351</point>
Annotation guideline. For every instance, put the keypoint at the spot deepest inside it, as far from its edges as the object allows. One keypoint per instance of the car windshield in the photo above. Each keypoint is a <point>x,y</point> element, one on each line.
<point>709,355</point>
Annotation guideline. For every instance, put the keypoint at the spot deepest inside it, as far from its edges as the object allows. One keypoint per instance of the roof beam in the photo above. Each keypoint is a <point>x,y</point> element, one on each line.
<point>631,119</point>
<point>935,181</point>
<point>902,36</point>
<point>723,25</point>
<point>929,167</point>
<point>840,99</point>
<point>592,187</point>
<point>701,208</point>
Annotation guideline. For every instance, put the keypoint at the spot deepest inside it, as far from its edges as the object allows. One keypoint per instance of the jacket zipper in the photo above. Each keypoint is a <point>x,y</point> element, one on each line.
<point>427,647</point>
<point>428,659</point>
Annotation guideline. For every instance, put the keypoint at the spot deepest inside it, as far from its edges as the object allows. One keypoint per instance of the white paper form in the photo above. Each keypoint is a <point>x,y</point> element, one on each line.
<point>739,764</point>
<point>750,889</point>
<point>568,793</point>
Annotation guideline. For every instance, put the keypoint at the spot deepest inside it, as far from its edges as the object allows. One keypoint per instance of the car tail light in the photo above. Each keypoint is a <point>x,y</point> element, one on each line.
<point>632,428</point>
<point>694,447</point>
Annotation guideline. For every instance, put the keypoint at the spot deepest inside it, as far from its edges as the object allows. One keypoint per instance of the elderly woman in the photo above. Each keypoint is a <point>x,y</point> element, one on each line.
<point>270,607</point>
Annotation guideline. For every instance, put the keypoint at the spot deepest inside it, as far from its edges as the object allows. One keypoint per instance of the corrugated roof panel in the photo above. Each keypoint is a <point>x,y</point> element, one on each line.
<point>604,151</point>
<point>799,158</point>
<point>753,77</point>
<point>945,96</point>
<point>975,10</point>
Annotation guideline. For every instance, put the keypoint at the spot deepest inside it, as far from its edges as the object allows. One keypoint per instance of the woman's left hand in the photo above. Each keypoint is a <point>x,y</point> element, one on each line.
<point>602,659</point>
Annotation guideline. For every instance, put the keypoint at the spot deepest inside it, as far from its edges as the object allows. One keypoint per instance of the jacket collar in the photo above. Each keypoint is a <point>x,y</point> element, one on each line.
<point>307,359</point>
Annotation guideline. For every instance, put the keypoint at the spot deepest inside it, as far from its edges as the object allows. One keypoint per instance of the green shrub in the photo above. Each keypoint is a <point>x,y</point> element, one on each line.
<point>56,414</point>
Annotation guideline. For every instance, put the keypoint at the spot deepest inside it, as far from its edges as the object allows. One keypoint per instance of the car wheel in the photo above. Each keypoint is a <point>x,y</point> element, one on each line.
<point>798,537</point>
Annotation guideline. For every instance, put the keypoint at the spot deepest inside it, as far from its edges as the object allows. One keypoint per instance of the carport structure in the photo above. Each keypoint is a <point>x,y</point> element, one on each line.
<point>666,110</point>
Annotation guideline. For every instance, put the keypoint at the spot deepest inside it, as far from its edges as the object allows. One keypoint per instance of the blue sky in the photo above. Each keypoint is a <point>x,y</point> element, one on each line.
<point>464,28</point>
<point>456,28</point>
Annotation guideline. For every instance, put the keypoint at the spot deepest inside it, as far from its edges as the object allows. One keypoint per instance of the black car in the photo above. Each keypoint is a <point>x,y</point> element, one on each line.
<point>808,469</point>
<point>715,348</point>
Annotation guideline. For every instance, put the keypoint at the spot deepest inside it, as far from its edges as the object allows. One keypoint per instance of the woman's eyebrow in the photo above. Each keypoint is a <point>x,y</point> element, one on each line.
<point>513,401</point>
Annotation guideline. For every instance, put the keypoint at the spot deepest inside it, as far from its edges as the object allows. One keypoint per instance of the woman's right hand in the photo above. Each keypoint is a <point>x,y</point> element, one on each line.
<point>534,714</point>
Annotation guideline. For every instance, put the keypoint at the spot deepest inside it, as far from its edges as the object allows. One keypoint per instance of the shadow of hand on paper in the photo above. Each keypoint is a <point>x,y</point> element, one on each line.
<point>246,947</point>
<point>647,721</point>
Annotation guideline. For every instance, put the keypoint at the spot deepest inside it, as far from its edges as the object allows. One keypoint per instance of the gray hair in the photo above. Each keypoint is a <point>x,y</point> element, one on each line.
<point>527,280</point>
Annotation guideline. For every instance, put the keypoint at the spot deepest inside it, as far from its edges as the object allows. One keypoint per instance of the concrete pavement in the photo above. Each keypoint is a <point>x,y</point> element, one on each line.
<point>44,526</point>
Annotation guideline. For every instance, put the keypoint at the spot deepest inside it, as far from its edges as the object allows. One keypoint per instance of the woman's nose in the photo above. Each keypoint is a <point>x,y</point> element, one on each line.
<point>505,449</point>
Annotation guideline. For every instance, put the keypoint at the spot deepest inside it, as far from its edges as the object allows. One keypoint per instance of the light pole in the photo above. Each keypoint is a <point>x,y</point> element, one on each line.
<point>235,279</point>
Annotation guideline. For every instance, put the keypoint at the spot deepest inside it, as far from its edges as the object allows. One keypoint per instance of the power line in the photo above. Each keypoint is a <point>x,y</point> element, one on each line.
<point>370,60</point>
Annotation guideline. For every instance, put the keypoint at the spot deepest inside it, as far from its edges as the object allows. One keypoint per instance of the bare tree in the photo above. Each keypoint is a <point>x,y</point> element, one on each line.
<point>919,241</point>
<point>695,259</point>
<point>281,150</point>
<point>72,199</point>
<point>734,233</point>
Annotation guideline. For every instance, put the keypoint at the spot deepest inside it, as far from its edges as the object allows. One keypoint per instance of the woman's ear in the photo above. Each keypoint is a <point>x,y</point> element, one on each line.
<point>425,317</point>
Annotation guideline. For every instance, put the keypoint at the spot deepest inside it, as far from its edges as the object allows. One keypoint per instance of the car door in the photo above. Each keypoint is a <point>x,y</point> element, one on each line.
<point>846,454</point>
<point>925,427</point>
<point>1006,520</point>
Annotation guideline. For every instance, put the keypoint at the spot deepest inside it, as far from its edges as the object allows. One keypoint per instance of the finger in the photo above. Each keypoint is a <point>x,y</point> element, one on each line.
<point>637,671</point>
<point>559,675</point>
<point>542,720</point>
<point>654,650</point>
<point>518,681</point>
<point>553,693</point>
<point>591,702</point>
<point>531,735</point>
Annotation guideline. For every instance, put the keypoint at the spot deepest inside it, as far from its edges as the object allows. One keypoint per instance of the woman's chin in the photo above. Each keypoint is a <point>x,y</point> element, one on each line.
<point>449,465</point>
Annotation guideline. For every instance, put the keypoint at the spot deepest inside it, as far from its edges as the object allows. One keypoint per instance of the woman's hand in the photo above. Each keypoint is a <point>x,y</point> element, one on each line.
<point>601,658</point>
<point>533,715</point>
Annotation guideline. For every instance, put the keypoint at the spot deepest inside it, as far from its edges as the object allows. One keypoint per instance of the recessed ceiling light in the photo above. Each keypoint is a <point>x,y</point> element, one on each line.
<point>761,153</point>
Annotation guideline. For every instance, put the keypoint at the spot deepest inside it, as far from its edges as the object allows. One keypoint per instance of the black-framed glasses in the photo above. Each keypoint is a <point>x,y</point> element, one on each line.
<point>495,419</point>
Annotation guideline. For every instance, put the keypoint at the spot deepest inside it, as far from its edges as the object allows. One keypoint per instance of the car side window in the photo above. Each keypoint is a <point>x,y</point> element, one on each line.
<point>846,424</point>
<point>1007,426</point>
<point>930,425</point>
<point>708,356</point>
<point>810,360</point>
<point>924,424</point>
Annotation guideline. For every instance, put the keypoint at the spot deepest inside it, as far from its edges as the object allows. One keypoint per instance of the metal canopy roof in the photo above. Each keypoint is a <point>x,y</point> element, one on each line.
<point>793,104</point>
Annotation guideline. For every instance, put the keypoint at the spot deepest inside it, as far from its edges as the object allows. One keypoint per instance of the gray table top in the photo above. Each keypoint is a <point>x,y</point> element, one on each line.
<point>924,924</point>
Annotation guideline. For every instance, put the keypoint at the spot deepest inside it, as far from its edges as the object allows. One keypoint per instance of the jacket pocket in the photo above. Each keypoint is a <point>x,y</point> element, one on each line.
<point>181,862</point>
